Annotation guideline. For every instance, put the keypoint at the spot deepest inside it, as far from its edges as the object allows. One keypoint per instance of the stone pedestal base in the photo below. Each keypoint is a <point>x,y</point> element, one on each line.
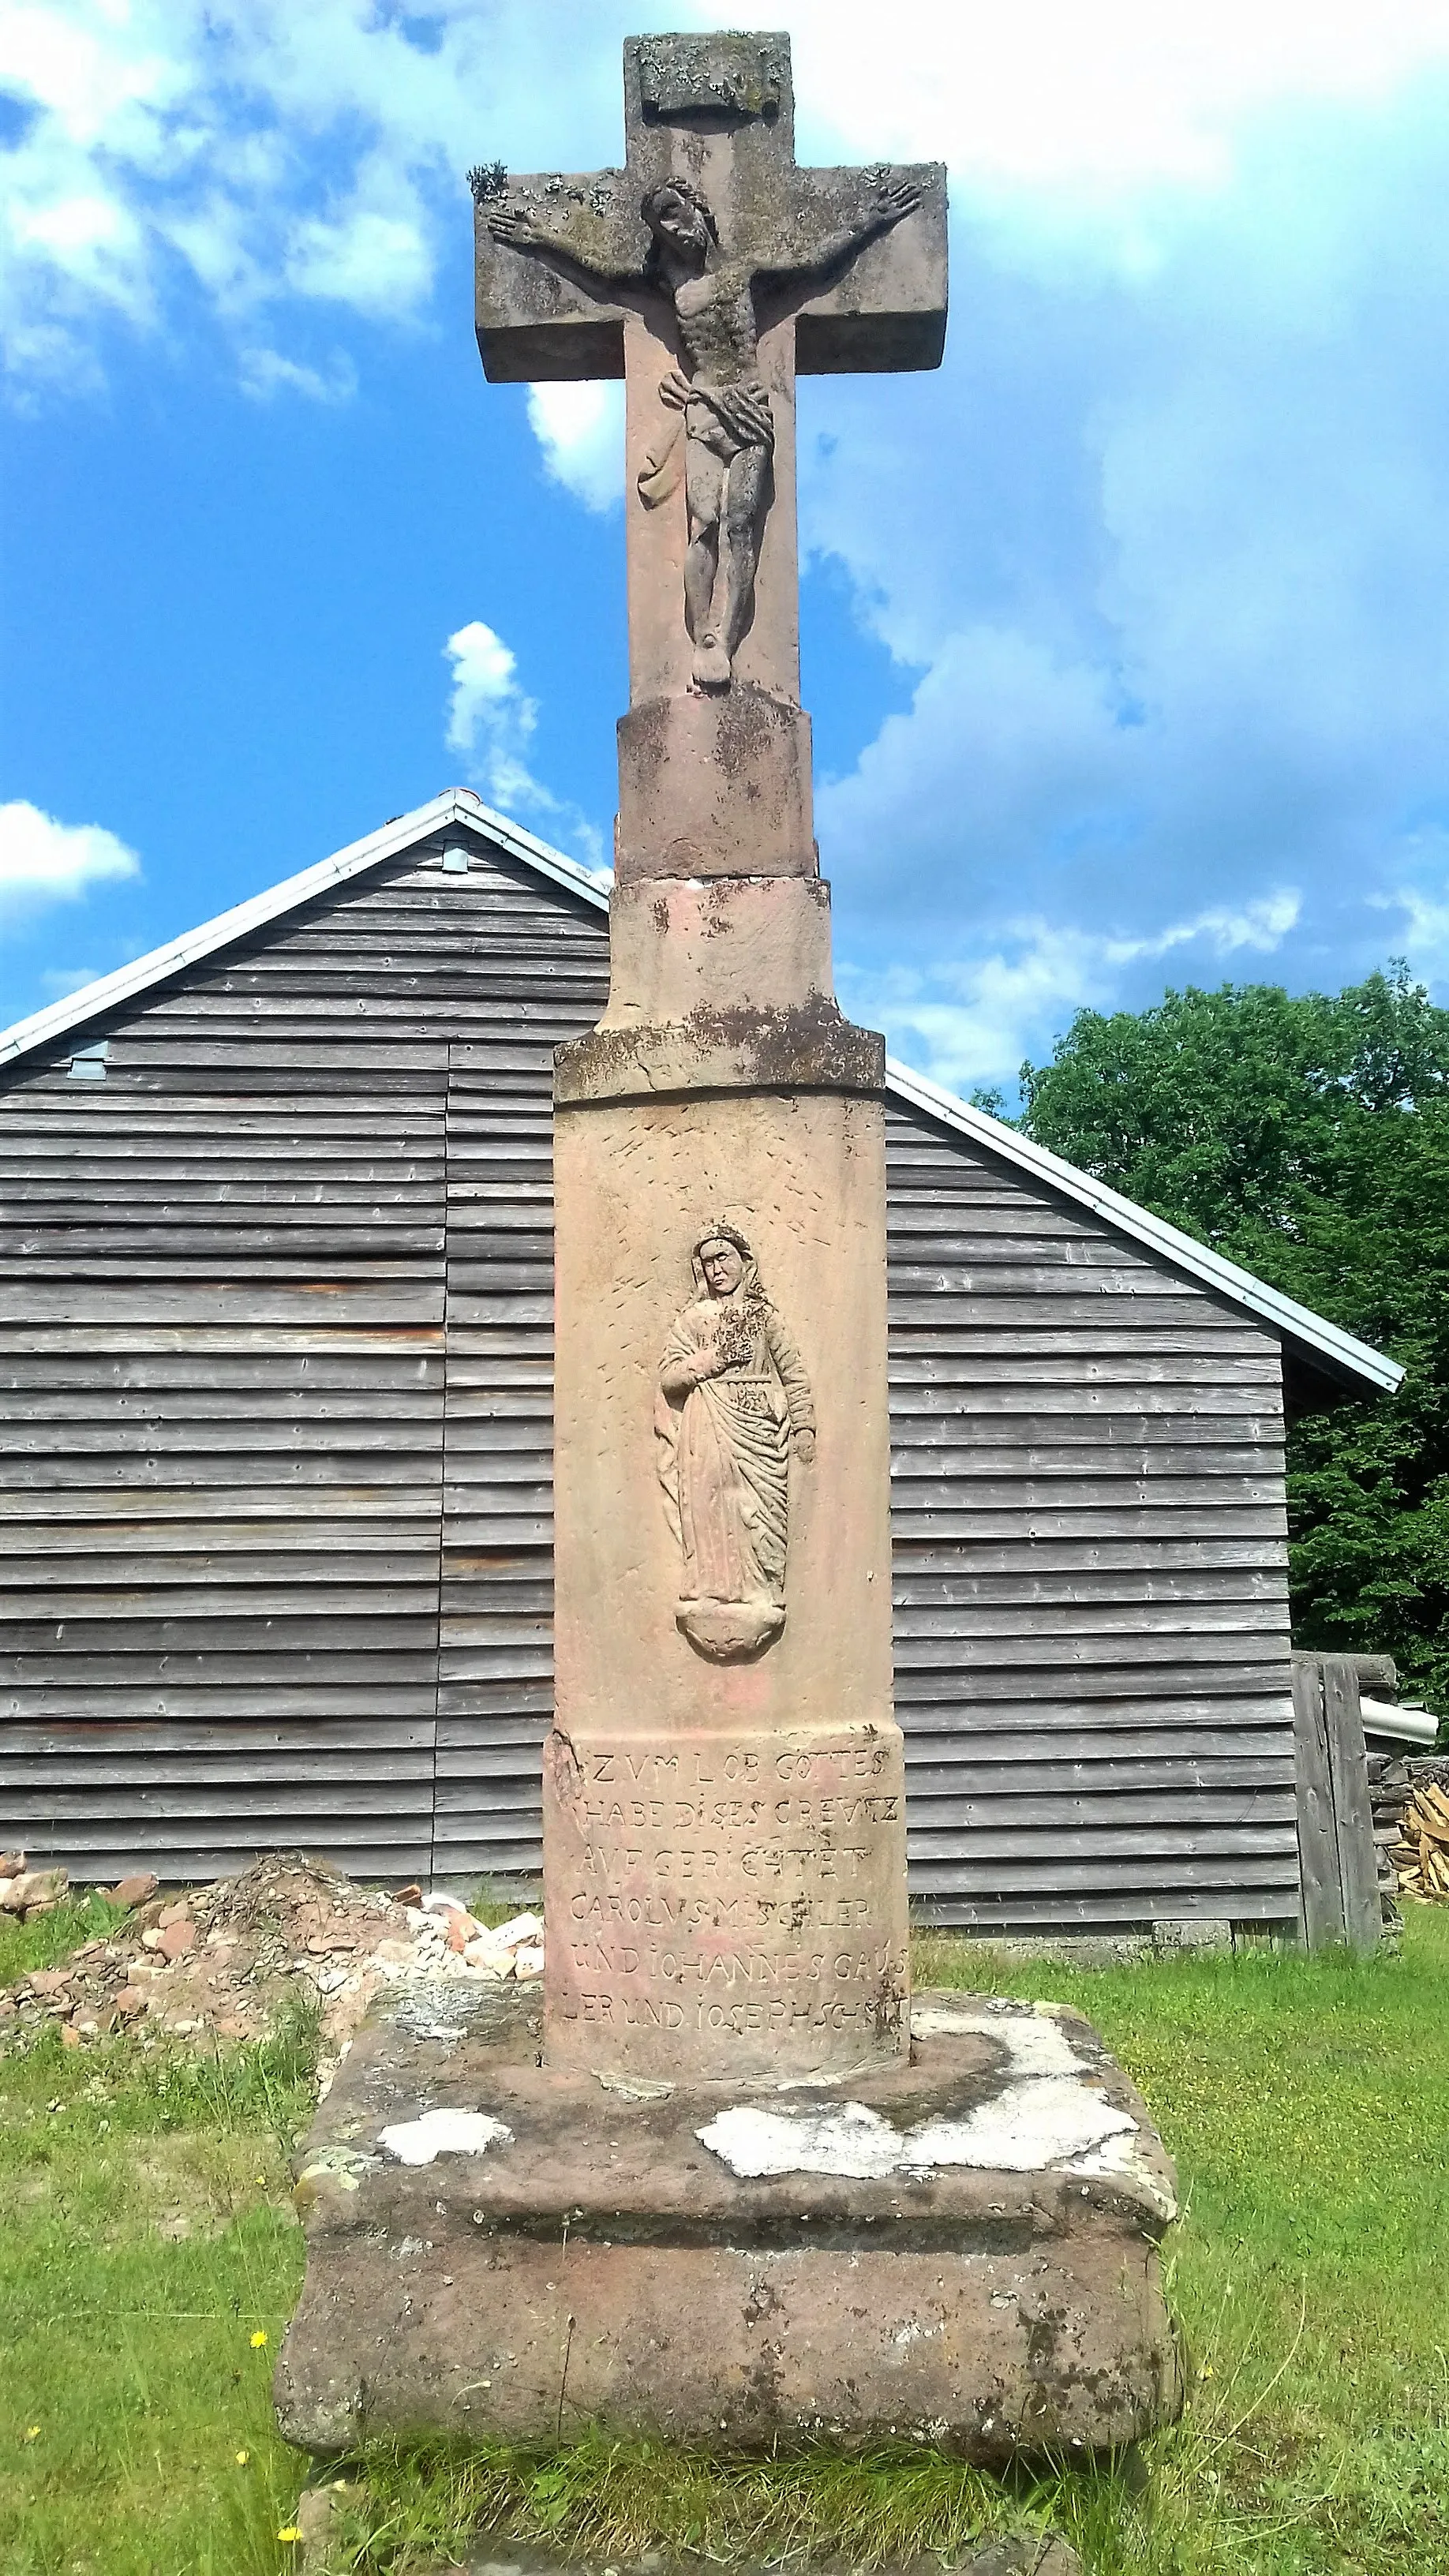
<point>961,2250</point>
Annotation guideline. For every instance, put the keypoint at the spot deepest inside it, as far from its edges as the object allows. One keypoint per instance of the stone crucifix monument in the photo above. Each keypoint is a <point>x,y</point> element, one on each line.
<point>728,2184</point>
<point>724,1793</point>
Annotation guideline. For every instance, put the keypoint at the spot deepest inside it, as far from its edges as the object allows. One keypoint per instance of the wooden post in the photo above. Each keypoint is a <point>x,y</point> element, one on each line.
<point>1335,1825</point>
<point>1317,1841</point>
<point>1352,1815</point>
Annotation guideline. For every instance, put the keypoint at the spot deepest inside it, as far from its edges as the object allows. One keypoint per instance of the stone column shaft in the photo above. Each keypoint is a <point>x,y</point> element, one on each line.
<point>724,1830</point>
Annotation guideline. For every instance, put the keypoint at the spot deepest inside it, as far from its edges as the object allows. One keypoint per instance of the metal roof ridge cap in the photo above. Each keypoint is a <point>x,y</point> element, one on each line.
<point>1213,1267</point>
<point>536,853</point>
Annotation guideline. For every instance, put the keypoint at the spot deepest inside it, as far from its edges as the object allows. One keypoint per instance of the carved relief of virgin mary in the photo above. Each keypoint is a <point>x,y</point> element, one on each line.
<point>733,1399</point>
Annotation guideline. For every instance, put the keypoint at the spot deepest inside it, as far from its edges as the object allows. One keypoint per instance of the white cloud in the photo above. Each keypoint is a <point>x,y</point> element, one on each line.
<point>1424,934</point>
<point>1110,97</point>
<point>379,263</point>
<point>58,982</point>
<point>489,718</point>
<point>270,151</point>
<point>1168,550</point>
<point>580,429</point>
<point>1262,925</point>
<point>971,1021</point>
<point>44,861</point>
<point>967,1023</point>
<point>263,373</point>
<point>490,724</point>
<point>74,227</point>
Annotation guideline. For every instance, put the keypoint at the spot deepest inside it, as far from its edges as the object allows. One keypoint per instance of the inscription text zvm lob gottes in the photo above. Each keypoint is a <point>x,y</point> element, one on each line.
<point>730,1886</point>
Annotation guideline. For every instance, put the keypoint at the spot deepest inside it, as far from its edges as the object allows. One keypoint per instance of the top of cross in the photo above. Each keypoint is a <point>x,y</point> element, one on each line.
<point>708,272</point>
<point>718,110</point>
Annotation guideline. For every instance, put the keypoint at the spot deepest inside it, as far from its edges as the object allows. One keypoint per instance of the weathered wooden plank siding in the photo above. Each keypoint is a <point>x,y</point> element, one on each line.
<point>495,1675</point>
<point>276,1361</point>
<point>222,1355</point>
<point>1091,1605</point>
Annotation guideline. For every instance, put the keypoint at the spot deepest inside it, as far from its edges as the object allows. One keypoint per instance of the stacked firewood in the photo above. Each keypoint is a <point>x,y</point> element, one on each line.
<point>1389,1785</point>
<point>1421,1854</point>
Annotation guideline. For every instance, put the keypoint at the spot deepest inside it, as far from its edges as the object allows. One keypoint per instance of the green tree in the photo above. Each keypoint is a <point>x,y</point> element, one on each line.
<point>1307,1137</point>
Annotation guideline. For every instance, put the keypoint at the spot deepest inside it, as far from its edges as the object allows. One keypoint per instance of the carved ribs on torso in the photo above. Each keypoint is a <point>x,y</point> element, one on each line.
<point>716,317</point>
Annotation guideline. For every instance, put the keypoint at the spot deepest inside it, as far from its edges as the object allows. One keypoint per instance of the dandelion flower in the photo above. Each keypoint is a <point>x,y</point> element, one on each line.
<point>242,2458</point>
<point>290,2531</point>
<point>259,2338</point>
<point>32,2432</point>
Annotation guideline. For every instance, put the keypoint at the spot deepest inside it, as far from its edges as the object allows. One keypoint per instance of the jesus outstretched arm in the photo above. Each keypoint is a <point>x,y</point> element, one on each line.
<point>720,415</point>
<point>894,201</point>
<point>523,231</point>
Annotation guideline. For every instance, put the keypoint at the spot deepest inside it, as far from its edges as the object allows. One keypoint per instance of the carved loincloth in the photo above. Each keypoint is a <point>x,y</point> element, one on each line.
<point>727,419</point>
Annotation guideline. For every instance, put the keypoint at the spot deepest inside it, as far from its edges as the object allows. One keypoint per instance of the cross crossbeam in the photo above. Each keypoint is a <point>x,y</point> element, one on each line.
<point>708,272</point>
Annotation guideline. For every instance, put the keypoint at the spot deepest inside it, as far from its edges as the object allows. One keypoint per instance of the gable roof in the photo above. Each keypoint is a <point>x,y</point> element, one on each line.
<point>1323,1346</point>
<point>455,805</point>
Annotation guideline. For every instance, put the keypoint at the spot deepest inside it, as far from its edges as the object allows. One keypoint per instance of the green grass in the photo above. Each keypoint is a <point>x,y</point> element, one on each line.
<point>1307,2102</point>
<point>494,1901</point>
<point>53,1936</point>
<point>148,2236</point>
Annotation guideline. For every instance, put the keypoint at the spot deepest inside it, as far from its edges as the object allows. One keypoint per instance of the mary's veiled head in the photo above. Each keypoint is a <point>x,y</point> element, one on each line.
<point>723,1263</point>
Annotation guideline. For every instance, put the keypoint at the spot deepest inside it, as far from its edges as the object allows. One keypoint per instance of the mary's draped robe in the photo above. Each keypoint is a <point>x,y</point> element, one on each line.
<point>724,1464</point>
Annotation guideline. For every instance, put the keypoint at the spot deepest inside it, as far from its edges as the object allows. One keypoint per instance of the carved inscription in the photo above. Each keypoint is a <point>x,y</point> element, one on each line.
<point>733,1889</point>
<point>733,1402</point>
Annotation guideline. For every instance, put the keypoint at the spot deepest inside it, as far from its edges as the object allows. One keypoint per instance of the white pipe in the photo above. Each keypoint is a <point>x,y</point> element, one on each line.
<point>1405,1725</point>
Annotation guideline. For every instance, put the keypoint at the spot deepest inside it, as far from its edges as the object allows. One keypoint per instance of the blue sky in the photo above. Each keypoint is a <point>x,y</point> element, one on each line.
<point>1126,636</point>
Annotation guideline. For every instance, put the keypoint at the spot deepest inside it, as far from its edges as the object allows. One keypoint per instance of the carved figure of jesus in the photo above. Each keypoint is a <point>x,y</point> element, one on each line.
<point>719,405</point>
<point>733,1399</point>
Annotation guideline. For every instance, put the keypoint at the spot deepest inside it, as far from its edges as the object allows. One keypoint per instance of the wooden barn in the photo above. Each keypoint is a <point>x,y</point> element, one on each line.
<point>276,1480</point>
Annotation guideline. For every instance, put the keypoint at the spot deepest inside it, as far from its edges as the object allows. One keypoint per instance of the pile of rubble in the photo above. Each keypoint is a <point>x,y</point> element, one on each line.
<point>32,1892</point>
<point>217,1963</point>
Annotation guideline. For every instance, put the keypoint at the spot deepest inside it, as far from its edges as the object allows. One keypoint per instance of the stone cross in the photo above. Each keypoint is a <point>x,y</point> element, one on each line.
<point>707,272</point>
<point>724,1840</point>
<point>740,2190</point>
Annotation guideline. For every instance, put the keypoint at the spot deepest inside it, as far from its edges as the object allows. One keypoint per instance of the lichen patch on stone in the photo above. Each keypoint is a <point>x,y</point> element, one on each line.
<point>1047,2111</point>
<point>635,2088</point>
<point>846,2139</point>
<point>1123,2155</point>
<point>444,2133</point>
<point>1038,2044</point>
<point>340,2164</point>
<point>1028,2125</point>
